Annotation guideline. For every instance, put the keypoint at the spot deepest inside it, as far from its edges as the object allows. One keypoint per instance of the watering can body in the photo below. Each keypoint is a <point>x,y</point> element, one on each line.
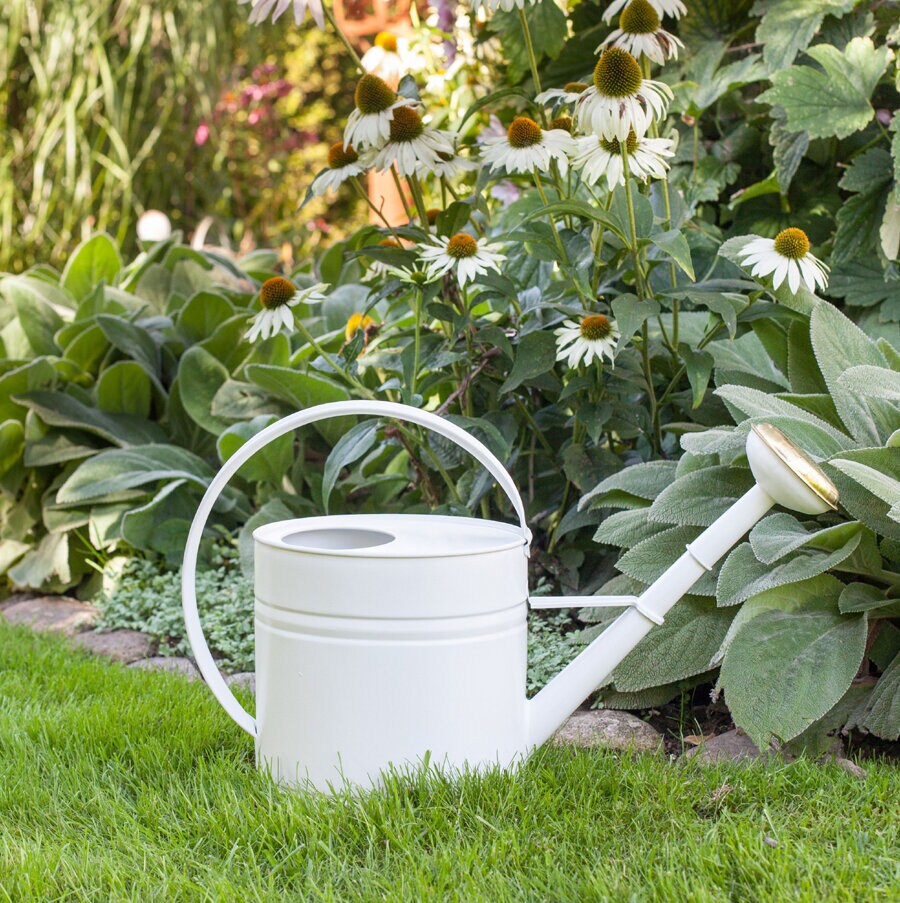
<point>381,639</point>
<point>396,640</point>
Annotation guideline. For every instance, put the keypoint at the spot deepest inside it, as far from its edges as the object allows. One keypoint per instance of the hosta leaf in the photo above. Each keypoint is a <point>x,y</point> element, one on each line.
<point>789,665</point>
<point>698,498</point>
<point>778,535</point>
<point>882,714</point>
<point>833,100</point>
<point>111,472</point>
<point>642,481</point>
<point>680,648</point>
<point>743,575</point>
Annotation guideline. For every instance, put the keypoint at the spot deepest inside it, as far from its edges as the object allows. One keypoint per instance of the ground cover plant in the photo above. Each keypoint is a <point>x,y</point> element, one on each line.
<point>606,272</point>
<point>127,784</point>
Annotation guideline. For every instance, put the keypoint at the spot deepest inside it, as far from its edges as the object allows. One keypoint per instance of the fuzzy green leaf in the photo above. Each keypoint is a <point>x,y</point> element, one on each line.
<point>535,355</point>
<point>790,664</point>
<point>778,535</point>
<point>643,481</point>
<point>698,498</point>
<point>882,714</point>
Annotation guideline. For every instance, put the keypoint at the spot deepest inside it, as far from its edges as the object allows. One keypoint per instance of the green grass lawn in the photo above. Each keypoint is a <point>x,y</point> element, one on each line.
<point>120,784</point>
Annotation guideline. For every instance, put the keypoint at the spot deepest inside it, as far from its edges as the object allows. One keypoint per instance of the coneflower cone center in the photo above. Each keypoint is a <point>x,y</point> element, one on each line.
<point>462,245</point>
<point>562,122</point>
<point>340,156</point>
<point>276,292</point>
<point>639,17</point>
<point>523,132</point>
<point>386,41</point>
<point>406,124</point>
<point>614,146</point>
<point>373,95</point>
<point>617,73</point>
<point>792,243</point>
<point>575,87</point>
<point>596,327</point>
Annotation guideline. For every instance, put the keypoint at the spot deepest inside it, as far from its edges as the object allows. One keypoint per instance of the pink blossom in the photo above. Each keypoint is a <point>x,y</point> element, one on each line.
<point>201,136</point>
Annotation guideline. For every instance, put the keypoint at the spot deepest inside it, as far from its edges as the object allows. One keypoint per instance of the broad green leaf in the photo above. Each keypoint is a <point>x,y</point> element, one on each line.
<point>11,551</point>
<point>877,382</point>
<point>864,505</point>
<point>162,525</point>
<point>115,471</point>
<point>133,341</point>
<point>34,375</point>
<point>858,219</point>
<point>674,244</point>
<point>789,25</point>
<point>840,344</point>
<point>88,348</point>
<point>202,314</point>
<point>200,376</point>
<point>878,483</point>
<point>698,498</point>
<point>57,409</point>
<point>627,528</point>
<point>39,321</point>
<point>59,447</point>
<point>93,261</point>
<point>236,400</point>
<point>811,433</point>
<point>643,481</point>
<point>631,313</point>
<point>648,560</point>
<point>882,714</point>
<point>863,283</point>
<point>857,597</point>
<point>12,444</point>
<point>45,566</point>
<point>788,148</point>
<point>789,665</point>
<point>680,648</point>
<point>833,100</point>
<point>699,366</point>
<point>350,448</point>
<point>124,388</point>
<point>743,575</point>
<point>270,464</point>
<point>535,356</point>
<point>303,390</point>
<point>778,535</point>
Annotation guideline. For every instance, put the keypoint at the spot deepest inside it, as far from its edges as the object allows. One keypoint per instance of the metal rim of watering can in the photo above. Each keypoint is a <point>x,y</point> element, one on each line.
<point>800,464</point>
<point>406,413</point>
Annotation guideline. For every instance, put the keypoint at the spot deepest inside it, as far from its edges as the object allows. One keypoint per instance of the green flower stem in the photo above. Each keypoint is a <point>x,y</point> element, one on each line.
<point>640,284</point>
<point>344,374</point>
<point>343,39</point>
<point>532,58</point>
<point>416,341</point>
<point>535,429</point>
<point>377,211</point>
<point>564,257</point>
<point>418,196</point>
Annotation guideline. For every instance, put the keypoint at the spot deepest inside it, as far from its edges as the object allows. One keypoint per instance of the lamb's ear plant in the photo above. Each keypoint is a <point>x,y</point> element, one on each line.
<point>802,619</point>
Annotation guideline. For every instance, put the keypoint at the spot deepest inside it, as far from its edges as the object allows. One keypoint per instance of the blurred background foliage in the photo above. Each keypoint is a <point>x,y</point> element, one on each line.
<point>112,107</point>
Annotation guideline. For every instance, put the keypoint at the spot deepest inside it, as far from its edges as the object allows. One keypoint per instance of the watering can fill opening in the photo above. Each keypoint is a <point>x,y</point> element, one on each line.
<point>396,639</point>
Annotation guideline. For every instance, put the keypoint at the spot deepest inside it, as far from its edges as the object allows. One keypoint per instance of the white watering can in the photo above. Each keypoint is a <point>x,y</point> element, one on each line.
<point>397,639</point>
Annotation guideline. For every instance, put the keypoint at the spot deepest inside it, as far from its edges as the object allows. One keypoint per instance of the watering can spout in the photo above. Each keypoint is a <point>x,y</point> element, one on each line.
<point>783,475</point>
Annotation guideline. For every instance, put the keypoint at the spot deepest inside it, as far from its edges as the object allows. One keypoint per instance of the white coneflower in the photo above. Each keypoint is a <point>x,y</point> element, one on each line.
<point>461,253</point>
<point>566,96</point>
<point>594,336</point>
<point>411,147</point>
<point>343,163</point>
<point>640,32</point>
<point>674,8</point>
<point>598,158</point>
<point>787,257</point>
<point>264,9</point>
<point>369,125</point>
<point>411,274</point>
<point>390,57</point>
<point>449,166</point>
<point>621,99</point>
<point>527,147</point>
<point>277,296</point>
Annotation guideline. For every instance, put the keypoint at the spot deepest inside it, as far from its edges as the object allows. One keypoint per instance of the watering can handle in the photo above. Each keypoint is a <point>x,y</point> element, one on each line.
<point>433,422</point>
